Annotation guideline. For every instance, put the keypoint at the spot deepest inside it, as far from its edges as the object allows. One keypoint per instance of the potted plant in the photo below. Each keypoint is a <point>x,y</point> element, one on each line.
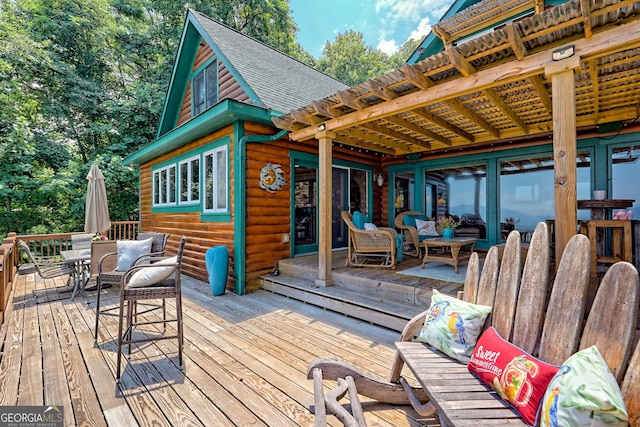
<point>447,225</point>
<point>510,223</point>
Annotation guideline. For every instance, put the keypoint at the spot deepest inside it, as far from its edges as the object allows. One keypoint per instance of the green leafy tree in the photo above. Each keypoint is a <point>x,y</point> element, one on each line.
<point>349,60</point>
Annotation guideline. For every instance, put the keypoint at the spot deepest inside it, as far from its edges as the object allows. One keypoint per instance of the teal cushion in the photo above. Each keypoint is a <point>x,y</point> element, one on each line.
<point>359,219</point>
<point>410,220</point>
<point>399,243</point>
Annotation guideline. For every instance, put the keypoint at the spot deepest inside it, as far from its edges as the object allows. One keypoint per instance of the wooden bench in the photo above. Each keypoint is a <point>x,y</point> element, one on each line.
<point>546,321</point>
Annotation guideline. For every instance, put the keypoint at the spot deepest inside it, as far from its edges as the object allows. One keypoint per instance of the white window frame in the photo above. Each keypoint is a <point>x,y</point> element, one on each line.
<point>164,196</point>
<point>216,181</point>
<point>186,165</point>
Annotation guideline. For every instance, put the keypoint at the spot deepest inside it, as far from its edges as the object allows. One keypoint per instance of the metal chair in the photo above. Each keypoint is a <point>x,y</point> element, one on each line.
<point>108,274</point>
<point>49,267</point>
<point>164,288</point>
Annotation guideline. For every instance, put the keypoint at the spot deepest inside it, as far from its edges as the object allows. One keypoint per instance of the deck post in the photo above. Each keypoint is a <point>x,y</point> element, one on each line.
<point>564,149</point>
<point>325,139</point>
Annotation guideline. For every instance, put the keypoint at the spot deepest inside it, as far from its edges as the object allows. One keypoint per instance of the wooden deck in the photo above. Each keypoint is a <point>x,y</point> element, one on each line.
<point>246,359</point>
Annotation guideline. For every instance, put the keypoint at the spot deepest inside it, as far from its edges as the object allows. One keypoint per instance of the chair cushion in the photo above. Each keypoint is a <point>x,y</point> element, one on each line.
<point>359,219</point>
<point>148,276</point>
<point>370,226</point>
<point>129,250</point>
<point>518,377</point>
<point>426,228</point>
<point>583,393</point>
<point>410,220</point>
<point>453,325</point>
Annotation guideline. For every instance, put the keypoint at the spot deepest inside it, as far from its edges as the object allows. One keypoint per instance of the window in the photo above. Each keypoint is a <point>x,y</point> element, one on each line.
<point>205,88</point>
<point>164,186</point>
<point>216,188</point>
<point>190,181</point>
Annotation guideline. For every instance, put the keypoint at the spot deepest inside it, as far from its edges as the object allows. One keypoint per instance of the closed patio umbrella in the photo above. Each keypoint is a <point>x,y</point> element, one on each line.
<point>96,218</point>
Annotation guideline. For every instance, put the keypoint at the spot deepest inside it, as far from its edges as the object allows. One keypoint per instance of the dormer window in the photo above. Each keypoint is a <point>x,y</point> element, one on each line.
<point>205,88</point>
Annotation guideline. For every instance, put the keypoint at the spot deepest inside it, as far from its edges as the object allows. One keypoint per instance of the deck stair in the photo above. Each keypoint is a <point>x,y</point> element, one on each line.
<point>370,295</point>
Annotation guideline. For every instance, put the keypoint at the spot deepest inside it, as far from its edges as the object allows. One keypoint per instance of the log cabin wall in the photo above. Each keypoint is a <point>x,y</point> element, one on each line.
<point>200,235</point>
<point>228,86</point>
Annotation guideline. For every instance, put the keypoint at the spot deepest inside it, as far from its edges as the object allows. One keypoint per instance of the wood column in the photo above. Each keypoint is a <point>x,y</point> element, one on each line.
<point>564,150</point>
<point>325,189</point>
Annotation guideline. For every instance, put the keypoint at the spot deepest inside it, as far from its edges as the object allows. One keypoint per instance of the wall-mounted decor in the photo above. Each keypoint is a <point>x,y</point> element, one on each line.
<point>271,177</point>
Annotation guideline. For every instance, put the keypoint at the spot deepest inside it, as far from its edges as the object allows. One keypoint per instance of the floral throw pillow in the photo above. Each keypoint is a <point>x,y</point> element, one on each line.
<point>426,228</point>
<point>583,393</point>
<point>515,375</point>
<point>453,326</point>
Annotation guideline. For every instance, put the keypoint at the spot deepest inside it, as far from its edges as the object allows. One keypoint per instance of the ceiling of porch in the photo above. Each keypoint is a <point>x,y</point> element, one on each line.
<point>490,89</point>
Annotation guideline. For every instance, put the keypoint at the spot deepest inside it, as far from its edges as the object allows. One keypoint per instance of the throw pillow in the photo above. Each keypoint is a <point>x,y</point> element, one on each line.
<point>426,228</point>
<point>410,220</point>
<point>151,275</point>
<point>518,377</point>
<point>453,326</point>
<point>583,393</point>
<point>129,250</point>
<point>370,226</point>
<point>359,220</point>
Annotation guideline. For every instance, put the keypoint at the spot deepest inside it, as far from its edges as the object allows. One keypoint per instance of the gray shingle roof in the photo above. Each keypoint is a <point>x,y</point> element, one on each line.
<point>281,82</point>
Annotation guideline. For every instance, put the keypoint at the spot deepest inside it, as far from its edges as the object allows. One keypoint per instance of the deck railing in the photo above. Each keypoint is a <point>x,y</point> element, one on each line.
<point>45,245</point>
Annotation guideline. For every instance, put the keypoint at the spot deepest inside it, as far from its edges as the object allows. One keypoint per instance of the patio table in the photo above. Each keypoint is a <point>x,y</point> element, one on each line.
<point>447,251</point>
<point>80,259</point>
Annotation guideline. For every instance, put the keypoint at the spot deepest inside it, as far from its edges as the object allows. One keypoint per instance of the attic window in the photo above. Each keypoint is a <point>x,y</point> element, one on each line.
<point>205,88</point>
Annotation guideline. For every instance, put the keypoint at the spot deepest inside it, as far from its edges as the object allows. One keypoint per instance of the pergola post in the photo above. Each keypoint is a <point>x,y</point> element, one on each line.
<point>564,150</point>
<point>325,189</point>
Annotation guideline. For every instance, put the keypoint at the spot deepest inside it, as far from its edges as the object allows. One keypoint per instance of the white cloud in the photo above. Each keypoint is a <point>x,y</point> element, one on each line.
<point>423,28</point>
<point>412,10</point>
<point>388,46</point>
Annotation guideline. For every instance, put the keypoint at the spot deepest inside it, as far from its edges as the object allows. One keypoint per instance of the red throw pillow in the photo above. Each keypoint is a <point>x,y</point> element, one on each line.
<point>517,377</point>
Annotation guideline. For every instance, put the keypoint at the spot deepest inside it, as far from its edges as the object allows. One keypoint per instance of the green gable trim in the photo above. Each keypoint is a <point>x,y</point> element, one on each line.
<point>222,58</point>
<point>177,89</point>
<point>225,112</point>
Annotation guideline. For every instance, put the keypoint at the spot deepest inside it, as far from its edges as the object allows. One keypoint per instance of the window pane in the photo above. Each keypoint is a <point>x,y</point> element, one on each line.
<point>460,192</point>
<point>156,188</point>
<point>208,176</point>
<point>625,171</point>
<point>184,182</point>
<point>195,180</point>
<point>358,191</point>
<point>163,186</point>
<point>172,185</point>
<point>404,187</point>
<point>221,178</point>
<point>527,194</point>
<point>211,74</point>
<point>198,94</point>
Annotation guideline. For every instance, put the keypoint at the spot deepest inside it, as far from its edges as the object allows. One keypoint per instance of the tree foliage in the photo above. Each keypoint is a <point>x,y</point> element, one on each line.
<point>83,81</point>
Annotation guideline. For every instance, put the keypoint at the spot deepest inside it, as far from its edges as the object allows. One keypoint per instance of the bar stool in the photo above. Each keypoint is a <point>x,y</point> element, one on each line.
<point>620,233</point>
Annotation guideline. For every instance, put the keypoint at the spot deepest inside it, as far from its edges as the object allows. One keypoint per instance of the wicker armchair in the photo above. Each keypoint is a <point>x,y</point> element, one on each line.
<point>373,248</point>
<point>410,233</point>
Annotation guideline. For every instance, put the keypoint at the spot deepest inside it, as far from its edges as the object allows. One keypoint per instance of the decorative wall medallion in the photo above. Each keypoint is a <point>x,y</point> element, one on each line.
<point>271,178</point>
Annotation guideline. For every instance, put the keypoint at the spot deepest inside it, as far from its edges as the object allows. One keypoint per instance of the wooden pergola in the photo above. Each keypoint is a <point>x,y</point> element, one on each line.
<point>562,71</point>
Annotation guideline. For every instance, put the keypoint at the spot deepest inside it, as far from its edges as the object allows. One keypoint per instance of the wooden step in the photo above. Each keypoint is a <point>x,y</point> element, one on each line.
<point>392,315</point>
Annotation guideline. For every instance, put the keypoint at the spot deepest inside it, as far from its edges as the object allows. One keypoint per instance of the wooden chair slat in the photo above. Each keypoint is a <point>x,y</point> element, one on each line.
<point>563,323</point>
<point>613,317</point>
<point>489,278</point>
<point>508,286</point>
<point>472,278</point>
<point>527,325</point>
<point>631,388</point>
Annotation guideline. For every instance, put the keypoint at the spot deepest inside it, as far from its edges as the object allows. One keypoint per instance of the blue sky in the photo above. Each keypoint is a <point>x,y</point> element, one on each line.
<point>385,24</point>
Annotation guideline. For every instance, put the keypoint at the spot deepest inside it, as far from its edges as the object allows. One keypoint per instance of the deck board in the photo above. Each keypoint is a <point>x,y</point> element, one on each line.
<point>245,360</point>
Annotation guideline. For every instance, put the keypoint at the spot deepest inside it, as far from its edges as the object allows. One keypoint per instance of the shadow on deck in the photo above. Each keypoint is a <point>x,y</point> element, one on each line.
<point>379,296</point>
